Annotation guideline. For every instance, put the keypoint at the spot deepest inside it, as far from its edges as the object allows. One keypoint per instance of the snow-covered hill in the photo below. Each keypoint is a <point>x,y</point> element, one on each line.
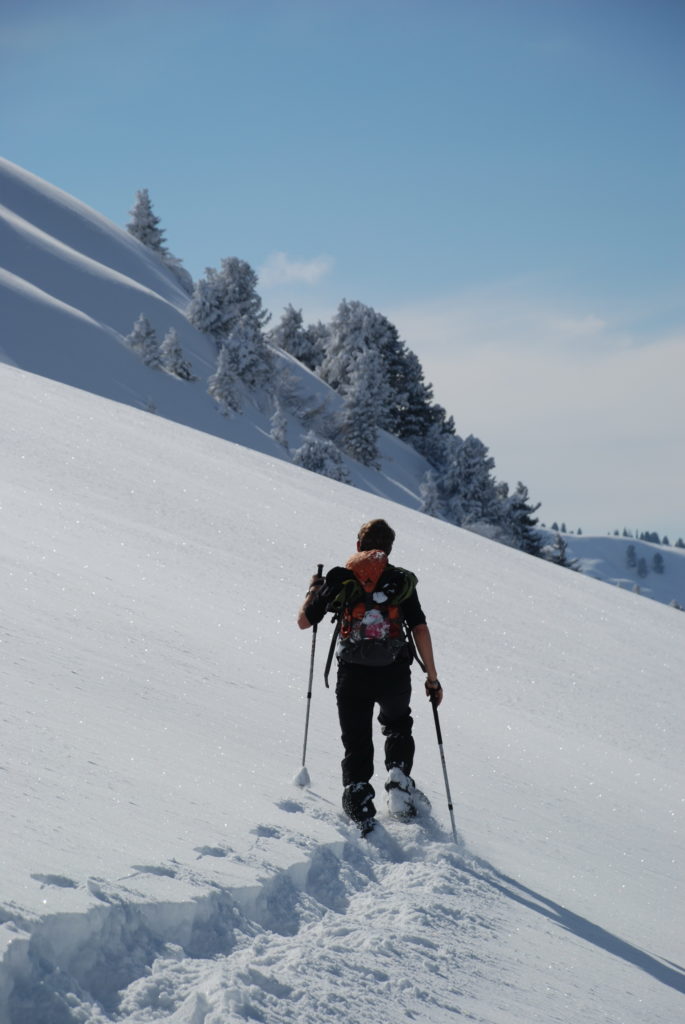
<point>608,559</point>
<point>71,286</point>
<point>158,863</point>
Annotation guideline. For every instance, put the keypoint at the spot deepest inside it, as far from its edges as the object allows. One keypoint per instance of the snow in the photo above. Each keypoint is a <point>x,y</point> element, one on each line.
<point>72,284</point>
<point>157,861</point>
<point>605,558</point>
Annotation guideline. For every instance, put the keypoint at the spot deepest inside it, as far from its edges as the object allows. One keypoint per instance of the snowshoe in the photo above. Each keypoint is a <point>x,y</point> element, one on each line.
<point>357,802</point>
<point>366,826</point>
<point>404,799</point>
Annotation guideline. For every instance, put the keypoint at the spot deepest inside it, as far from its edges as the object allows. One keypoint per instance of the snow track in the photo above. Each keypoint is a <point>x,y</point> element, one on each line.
<point>316,942</point>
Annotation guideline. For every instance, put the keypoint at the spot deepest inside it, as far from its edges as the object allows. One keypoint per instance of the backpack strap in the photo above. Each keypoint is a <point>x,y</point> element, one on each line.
<point>331,649</point>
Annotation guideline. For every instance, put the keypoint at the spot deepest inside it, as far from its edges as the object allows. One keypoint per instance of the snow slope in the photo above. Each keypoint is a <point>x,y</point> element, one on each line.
<point>71,286</point>
<point>605,558</point>
<point>157,861</point>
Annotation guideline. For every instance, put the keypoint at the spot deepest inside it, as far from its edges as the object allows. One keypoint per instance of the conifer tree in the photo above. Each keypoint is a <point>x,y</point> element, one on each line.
<point>430,496</point>
<point>467,485</point>
<point>304,343</point>
<point>520,523</point>
<point>172,358</point>
<point>223,385</point>
<point>658,563</point>
<point>251,357</point>
<point>222,299</point>
<point>144,224</point>
<point>319,455</point>
<point>631,557</point>
<point>365,395</point>
<point>558,554</point>
<point>279,425</point>
<point>144,342</point>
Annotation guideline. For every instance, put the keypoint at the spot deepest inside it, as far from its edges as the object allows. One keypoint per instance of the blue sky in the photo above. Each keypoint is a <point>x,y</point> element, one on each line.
<point>502,178</point>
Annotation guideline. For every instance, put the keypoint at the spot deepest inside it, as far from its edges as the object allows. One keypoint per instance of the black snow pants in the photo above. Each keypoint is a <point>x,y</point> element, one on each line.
<point>358,690</point>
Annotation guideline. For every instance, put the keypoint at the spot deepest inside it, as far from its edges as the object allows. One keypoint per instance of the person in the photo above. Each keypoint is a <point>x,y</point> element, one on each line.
<point>363,682</point>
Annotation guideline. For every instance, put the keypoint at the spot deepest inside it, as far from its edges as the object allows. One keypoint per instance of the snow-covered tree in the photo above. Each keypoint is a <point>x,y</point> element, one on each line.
<point>357,328</point>
<point>658,564</point>
<point>223,385</point>
<point>642,569</point>
<point>145,226</point>
<point>144,342</point>
<point>467,486</point>
<point>305,343</point>
<point>366,393</point>
<point>223,298</point>
<point>172,358</point>
<point>519,521</point>
<point>279,425</point>
<point>315,341</point>
<point>558,553</point>
<point>430,496</point>
<point>631,557</point>
<point>252,357</point>
<point>320,456</point>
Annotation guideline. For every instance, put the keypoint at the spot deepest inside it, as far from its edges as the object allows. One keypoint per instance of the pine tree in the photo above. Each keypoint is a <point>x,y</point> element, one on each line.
<point>520,523</point>
<point>430,496</point>
<point>631,557</point>
<point>357,328</point>
<point>467,485</point>
<point>320,455</point>
<point>144,342</point>
<point>642,569</point>
<point>304,343</point>
<point>558,554</point>
<point>251,356</point>
<point>222,299</point>
<point>223,385</point>
<point>658,563</point>
<point>172,359</point>
<point>365,395</point>
<point>279,425</point>
<point>144,224</point>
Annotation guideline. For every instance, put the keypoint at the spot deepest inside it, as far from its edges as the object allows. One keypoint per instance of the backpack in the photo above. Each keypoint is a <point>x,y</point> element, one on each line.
<point>370,627</point>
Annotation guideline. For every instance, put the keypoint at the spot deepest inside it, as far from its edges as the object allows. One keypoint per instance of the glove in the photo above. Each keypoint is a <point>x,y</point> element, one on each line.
<point>434,691</point>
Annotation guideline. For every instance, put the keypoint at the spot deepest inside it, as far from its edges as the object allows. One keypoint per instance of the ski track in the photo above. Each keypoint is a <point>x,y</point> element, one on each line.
<point>327,940</point>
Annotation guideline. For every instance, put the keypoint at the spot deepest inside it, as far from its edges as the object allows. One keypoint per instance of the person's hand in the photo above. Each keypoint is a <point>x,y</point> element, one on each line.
<point>315,582</point>
<point>434,691</point>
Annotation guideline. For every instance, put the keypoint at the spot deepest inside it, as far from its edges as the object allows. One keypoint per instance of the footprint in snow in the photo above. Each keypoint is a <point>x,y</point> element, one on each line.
<point>151,869</point>
<point>58,880</point>
<point>267,831</point>
<point>291,806</point>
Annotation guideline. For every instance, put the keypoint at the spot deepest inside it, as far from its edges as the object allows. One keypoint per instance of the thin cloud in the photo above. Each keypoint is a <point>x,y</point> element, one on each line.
<point>585,408</point>
<point>280,268</point>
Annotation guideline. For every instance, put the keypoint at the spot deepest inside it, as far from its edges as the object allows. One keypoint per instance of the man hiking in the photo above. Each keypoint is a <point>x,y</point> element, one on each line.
<point>375,604</point>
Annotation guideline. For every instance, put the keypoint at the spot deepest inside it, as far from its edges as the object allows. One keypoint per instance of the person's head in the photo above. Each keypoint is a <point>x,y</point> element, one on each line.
<point>375,535</point>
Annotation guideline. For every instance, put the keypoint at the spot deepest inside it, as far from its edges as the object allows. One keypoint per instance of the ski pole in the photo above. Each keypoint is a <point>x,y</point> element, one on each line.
<point>444,767</point>
<point>302,777</point>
